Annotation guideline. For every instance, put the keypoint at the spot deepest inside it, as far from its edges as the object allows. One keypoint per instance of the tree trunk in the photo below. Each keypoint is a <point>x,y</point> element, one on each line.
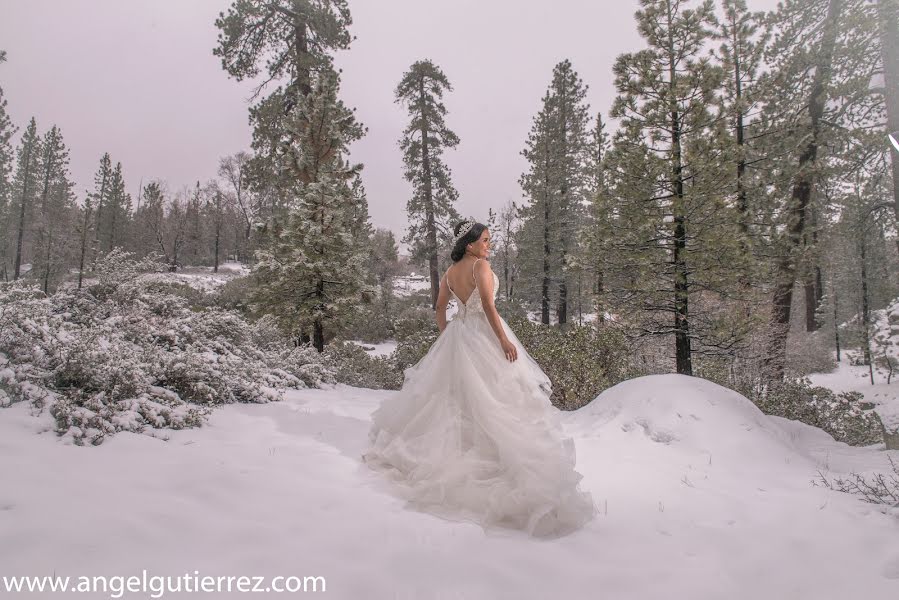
<point>21,228</point>
<point>836,323</point>
<point>785,268</point>
<point>544,300</point>
<point>866,313</point>
<point>888,11</point>
<point>99,214</point>
<point>682,350</point>
<point>84,232</point>
<point>429,203</point>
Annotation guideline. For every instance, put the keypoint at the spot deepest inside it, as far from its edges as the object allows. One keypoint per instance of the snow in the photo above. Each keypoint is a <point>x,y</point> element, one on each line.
<point>407,285</point>
<point>385,348</point>
<point>701,496</point>
<point>203,278</point>
<point>848,377</point>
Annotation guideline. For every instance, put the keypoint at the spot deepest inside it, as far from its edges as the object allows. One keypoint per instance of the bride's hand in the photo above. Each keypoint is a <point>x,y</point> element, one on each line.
<point>509,349</point>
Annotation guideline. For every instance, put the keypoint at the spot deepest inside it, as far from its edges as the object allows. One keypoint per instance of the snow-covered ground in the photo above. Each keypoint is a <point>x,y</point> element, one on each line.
<point>701,496</point>
<point>406,285</point>
<point>385,348</point>
<point>857,378</point>
<point>203,278</point>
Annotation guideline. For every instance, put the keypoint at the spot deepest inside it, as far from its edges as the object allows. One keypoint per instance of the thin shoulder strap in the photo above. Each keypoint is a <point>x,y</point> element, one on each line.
<point>475,279</point>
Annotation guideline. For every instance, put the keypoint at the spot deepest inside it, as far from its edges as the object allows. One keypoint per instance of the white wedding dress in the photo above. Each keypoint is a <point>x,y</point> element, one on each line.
<point>472,436</point>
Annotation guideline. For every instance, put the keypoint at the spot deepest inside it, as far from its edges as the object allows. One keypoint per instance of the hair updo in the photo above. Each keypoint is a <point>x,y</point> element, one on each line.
<point>473,235</point>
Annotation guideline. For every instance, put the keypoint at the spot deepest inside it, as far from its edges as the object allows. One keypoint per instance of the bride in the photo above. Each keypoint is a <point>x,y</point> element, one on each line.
<point>472,434</point>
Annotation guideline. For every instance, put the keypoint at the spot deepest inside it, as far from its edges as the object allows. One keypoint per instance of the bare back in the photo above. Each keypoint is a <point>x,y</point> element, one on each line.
<point>461,279</point>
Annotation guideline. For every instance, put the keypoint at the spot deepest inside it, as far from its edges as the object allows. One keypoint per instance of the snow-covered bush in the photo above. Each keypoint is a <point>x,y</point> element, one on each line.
<point>843,415</point>
<point>415,332</point>
<point>581,361</point>
<point>354,366</point>
<point>127,354</point>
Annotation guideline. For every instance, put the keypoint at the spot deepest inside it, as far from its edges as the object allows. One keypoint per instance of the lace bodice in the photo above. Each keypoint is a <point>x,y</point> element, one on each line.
<point>473,304</point>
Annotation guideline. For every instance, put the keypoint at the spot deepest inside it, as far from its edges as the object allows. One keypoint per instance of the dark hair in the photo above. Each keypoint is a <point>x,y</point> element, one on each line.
<point>473,235</point>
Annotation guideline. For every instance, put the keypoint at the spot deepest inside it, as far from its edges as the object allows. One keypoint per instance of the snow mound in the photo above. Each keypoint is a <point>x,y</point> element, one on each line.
<point>691,414</point>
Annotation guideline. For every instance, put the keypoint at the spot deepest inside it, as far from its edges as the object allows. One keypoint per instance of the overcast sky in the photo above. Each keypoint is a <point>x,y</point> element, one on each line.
<point>137,79</point>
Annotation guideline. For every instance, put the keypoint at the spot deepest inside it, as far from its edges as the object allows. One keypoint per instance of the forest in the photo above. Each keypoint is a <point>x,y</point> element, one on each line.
<point>732,215</point>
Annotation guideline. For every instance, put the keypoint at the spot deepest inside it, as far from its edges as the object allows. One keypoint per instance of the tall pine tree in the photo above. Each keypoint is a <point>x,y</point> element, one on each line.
<point>311,269</point>
<point>431,209</point>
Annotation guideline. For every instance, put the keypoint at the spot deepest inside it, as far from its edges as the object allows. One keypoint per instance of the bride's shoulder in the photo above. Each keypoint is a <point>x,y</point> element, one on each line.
<point>482,266</point>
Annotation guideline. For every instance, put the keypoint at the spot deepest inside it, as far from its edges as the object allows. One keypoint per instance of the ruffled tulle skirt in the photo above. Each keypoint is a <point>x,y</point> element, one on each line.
<point>472,436</point>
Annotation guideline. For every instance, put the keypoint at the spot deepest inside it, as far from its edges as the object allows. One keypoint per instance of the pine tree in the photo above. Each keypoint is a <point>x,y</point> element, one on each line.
<point>383,265</point>
<point>100,199</point>
<point>25,189</point>
<point>311,269</point>
<point>294,38</point>
<point>193,236</point>
<point>7,130</point>
<point>888,20</point>
<point>430,210</point>
<point>675,246</point>
<point>504,243</point>
<point>600,220</point>
<point>118,209</point>
<point>743,38</point>
<point>817,92</point>
<point>53,219</point>
<point>557,184</point>
<point>84,230</point>
<point>538,235</point>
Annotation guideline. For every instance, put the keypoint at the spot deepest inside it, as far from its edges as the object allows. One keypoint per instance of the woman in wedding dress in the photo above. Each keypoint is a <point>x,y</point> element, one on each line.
<point>472,434</point>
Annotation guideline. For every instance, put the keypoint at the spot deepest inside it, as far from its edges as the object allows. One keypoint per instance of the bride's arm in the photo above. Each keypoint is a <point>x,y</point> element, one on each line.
<point>443,298</point>
<point>484,274</point>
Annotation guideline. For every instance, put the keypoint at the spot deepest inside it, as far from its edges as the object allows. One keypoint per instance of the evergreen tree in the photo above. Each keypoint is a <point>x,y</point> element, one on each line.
<point>100,200</point>
<point>817,92</point>
<point>431,209</point>
<point>84,231</point>
<point>54,217</point>
<point>7,130</point>
<point>888,20</point>
<point>25,189</point>
<point>538,235</point>
<point>310,270</point>
<point>506,252</point>
<point>743,38</point>
<point>557,184</point>
<point>676,236</point>
<point>597,233</point>
<point>118,209</point>
<point>294,38</point>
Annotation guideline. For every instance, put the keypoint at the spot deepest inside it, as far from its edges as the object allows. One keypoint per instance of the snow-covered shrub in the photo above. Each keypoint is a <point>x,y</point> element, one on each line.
<point>235,294</point>
<point>842,415</point>
<point>354,366</point>
<point>127,354</point>
<point>313,368</point>
<point>17,384</point>
<point>581,361</point>
<point>415,331</point>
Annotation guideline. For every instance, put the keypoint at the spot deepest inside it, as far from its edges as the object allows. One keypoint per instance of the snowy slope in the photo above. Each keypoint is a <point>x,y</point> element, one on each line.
<point>701,496</point>
<point>857,378</point>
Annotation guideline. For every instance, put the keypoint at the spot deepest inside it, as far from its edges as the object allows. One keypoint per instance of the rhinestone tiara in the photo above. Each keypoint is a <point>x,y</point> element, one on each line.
<point>466,227</point>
